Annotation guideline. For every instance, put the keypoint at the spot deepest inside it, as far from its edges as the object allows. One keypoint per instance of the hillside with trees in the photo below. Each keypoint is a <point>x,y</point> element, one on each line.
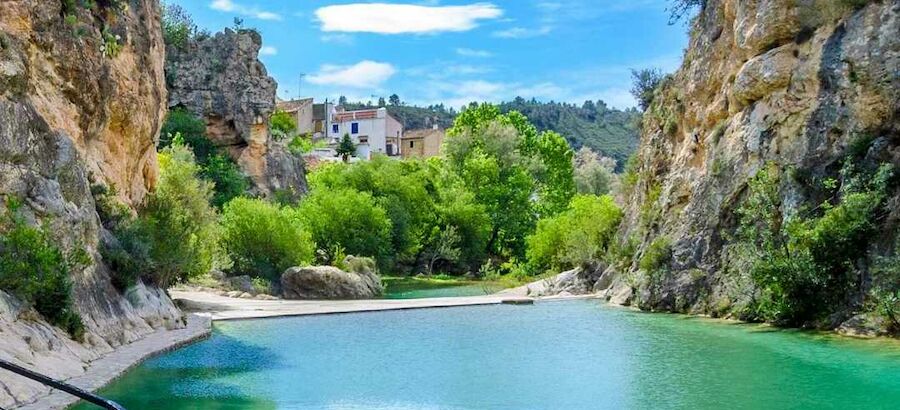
<point>608,131</point>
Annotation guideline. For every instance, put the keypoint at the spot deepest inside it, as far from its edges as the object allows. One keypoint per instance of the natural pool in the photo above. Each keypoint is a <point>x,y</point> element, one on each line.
<point>553,355</point>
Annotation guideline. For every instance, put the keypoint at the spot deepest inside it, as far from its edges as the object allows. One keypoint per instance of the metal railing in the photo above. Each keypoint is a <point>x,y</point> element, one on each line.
<point>68,388</point>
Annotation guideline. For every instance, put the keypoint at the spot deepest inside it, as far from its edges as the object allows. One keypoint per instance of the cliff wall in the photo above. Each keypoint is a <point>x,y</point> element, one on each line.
<point>82,98</point>
<point>220,79</point>
<point>796,86</point>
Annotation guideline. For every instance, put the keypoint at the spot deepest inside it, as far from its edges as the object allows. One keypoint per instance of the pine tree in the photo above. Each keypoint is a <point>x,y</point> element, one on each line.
<point>346,148</point>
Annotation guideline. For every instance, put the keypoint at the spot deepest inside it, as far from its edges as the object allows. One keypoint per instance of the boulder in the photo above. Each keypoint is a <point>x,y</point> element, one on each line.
<point>328,282</point>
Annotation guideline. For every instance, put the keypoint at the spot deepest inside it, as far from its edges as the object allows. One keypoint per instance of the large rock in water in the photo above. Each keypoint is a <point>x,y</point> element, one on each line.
<point>221,80</point>
<point>328,282</point>
<point>792,84</point>
<point>71,115</point>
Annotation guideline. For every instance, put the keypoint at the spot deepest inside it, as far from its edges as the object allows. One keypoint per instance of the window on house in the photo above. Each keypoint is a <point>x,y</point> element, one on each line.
<point>412,144</point>
<point>363,140</point>
<point>354,128</point>
<point>335,128</point>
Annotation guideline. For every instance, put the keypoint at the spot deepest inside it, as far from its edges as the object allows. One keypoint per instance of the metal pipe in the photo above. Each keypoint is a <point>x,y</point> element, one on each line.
<point>68,388</point>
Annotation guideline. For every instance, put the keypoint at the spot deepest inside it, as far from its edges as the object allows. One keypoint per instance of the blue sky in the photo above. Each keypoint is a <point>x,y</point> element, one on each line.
<point>453,51</point>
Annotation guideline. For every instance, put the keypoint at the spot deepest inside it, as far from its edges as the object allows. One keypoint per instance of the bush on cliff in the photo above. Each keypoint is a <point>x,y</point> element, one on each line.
<point>805,267</point>
<point>34,269</point>
<point>263,239</point>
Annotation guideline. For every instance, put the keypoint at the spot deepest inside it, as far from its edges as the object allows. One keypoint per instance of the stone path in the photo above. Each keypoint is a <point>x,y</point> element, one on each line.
<point>225,308</point>
<point>106,369</point>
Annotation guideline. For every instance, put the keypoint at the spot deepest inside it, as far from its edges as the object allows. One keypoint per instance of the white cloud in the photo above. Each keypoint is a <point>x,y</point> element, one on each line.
<point>268,51</point>
<point>383,18</point>
<point>522,32</point>
<point>468,52</point>
<point>364,74</point>
<point>232,7</point>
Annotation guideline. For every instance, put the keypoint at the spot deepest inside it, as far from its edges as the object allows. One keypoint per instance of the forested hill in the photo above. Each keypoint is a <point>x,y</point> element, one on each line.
<point>610,131</point>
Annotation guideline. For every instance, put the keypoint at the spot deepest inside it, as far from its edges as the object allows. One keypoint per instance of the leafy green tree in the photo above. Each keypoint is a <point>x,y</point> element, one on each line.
<point>263,240</point>
<point>346,148</point>
<point>178,26</point>
<point>381,102</point>
<point>346,219</point>
<point>179,220</point>
<point>394,99</point>
<point>505,162</point>
<point>593,174</point>
<point>644,85</point>
<point>576,237</point>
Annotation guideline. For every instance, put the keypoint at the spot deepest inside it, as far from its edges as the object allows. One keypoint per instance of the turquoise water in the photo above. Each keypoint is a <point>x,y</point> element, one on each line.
<point>552,355</point>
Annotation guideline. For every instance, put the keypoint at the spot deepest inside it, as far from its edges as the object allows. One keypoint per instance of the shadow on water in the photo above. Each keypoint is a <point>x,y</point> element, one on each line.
<point>205,375</point>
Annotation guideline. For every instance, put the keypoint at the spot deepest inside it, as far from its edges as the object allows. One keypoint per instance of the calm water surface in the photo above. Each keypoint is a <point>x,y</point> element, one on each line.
<point>553,355</point>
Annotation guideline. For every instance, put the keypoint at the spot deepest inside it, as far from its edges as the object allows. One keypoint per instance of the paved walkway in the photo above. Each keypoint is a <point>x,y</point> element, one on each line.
<point>225,308</point>
<point>106,369</point>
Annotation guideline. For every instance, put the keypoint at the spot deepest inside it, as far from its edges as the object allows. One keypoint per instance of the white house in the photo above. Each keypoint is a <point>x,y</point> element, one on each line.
<point>374,131</point>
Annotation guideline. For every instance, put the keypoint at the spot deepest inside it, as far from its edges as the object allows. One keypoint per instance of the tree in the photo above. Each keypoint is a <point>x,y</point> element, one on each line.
<point>346,148</point>
<point>681,8</point>
<point>381,102</point>
<point>645,83</point>
<point>394,99</point>
<point>507,164</point>
<point>342,100</point>
<point>346,219</point>
<point>178,26</point>
<point>264,240</point>
<point>593,174</point>
<point>179,220</point>
<point>444,246</point>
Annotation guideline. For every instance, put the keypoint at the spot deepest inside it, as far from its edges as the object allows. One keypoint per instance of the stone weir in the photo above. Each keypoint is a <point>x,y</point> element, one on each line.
<point>220,79</point>
<point>82,99</point>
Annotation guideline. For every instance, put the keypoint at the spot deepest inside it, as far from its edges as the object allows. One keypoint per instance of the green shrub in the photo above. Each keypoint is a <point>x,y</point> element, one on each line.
<point>657,256</point>
<point>35,270</point>
<point>228,180</point>
<point>576,237</point>
<point>182,127</point>
<point>804,267</point>
<point>262,239</point>
<point>180,121</point>
<point>348,219</point>
<point>282,124</point>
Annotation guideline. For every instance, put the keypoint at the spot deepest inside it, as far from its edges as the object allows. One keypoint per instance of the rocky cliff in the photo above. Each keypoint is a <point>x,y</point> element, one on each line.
<point>798,86</point>
<point>82,98</point>
<point>220,78</point>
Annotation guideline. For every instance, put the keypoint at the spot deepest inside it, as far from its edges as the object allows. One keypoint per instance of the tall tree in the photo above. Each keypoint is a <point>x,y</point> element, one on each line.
<point>394,99</point>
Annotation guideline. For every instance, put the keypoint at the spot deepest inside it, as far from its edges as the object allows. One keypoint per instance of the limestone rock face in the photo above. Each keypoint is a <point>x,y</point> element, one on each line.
<point>71,115</point>
<point>328,282</point>
<point>221,79</point>
<point>783,82</point>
